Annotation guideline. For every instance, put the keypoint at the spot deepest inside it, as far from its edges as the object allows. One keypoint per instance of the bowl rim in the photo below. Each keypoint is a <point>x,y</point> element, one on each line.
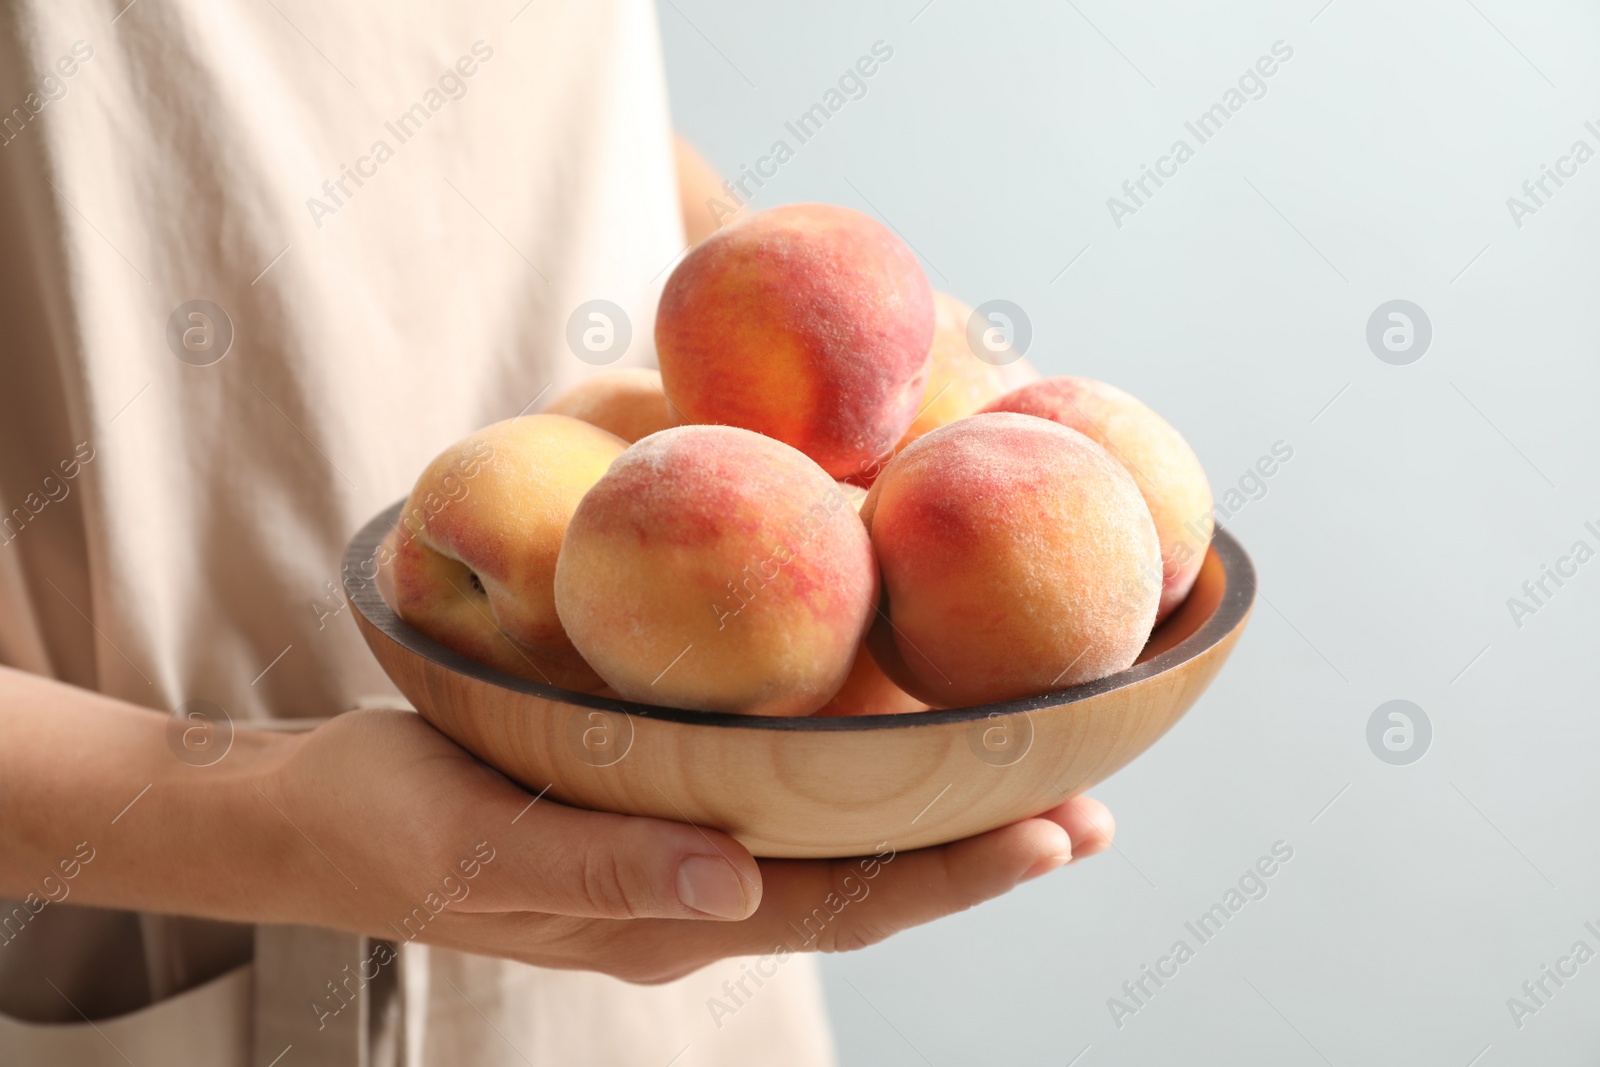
<point>362,589</point>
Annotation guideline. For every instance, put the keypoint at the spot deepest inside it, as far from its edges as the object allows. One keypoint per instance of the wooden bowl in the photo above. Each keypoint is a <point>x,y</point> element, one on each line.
<point>810,787</point>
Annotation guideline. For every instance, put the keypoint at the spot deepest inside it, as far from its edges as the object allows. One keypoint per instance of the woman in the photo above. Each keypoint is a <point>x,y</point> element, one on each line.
<point>258,263</point>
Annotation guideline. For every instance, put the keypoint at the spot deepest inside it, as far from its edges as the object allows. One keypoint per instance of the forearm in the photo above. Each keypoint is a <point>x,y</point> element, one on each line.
<point>96,807</point>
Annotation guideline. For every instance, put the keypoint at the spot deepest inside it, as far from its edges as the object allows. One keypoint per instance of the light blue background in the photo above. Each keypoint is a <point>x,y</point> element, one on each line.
<point>1235,302</point>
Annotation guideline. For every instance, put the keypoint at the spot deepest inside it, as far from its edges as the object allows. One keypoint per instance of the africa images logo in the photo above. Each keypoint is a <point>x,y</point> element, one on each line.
<point>452,86</point>
<point>1252,85</point>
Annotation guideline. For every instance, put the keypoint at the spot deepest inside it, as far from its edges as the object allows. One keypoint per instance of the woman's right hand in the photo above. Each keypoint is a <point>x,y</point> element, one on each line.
<point>375,822</point>
<point>384,826</point>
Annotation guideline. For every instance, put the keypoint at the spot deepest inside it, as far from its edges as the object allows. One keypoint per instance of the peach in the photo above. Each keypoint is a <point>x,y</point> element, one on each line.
<point>1017,373</point>
<point>478,541</point>
<point>716,569</point>
<point>959,383</point>
<point>809,323</point>
<point>1017,558</point>
<point>1163,465</point>
<point>628,403</point>
<point>1013,369</point>
<point>856,494</point>
<point>868,691</point>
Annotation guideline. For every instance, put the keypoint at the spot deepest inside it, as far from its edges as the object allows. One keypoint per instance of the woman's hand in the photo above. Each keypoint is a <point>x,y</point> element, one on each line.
<point>375,822</point>
<point>406,836</point>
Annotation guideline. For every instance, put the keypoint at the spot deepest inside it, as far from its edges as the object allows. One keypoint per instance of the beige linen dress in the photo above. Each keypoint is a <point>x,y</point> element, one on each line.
<point>391,211</point>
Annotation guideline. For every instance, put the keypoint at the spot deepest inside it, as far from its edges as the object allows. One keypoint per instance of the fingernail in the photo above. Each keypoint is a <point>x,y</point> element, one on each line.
<point>710,885</point>
<point>1045,866</point>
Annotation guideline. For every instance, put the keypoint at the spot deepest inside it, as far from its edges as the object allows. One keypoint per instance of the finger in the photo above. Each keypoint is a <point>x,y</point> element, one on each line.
<point>835,905</point>
<point>1088,822</point>
<point>884,894</point>
<point>566,861</point>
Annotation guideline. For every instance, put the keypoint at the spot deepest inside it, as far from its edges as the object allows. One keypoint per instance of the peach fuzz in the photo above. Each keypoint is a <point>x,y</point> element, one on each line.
<point>868,691</point>
<point>959,383</point>
<point>628,403</point>
<point>716,569</point>
<point>1165,468</point>
<point>1017,558</point>
<point>479,538</point>
<point>809,323</point>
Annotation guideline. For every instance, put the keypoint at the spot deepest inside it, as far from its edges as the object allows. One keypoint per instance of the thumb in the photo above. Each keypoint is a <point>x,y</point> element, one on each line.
<point>566,861</point>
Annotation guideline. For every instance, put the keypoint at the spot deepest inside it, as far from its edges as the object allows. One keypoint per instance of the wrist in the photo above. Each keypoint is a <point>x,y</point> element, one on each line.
<point>272,859</point>
<point>204,819</point>
<point>114,805</point>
